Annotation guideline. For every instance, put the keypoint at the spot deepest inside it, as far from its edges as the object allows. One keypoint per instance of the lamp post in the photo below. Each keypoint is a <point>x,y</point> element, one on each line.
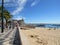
<point>2,28</point>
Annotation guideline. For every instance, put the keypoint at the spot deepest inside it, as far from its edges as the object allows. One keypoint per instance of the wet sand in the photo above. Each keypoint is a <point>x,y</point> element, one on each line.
<point>42,36</point>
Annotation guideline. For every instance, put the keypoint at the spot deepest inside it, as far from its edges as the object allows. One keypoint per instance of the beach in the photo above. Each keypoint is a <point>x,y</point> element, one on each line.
<point>42,36</point>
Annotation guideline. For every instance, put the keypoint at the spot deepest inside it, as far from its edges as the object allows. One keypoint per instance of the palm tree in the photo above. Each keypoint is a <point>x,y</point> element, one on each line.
<point>7,15</point>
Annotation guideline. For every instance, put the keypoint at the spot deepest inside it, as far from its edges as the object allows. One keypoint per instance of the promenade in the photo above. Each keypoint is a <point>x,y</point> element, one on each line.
<point>13,37</point>
<point>10,37</point>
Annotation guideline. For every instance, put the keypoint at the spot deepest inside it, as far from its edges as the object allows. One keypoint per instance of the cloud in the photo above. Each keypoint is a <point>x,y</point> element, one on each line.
<point>6,1</point>
<point>9,3</point>
<point>19,17</point>
<point>18,5</point>
<point>21,4</point>
<point>35,2</point>
<point>18,9</point>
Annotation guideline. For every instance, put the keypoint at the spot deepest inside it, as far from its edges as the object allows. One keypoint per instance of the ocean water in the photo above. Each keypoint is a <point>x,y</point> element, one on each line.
<point>48,25</point>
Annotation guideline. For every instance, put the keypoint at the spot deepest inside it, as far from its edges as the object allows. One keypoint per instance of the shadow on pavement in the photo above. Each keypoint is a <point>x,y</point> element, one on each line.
<point>1,42</point>
<point>17,39</point>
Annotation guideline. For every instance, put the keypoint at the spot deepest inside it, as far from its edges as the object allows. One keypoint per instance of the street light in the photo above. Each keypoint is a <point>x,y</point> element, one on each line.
<point>2,28</point>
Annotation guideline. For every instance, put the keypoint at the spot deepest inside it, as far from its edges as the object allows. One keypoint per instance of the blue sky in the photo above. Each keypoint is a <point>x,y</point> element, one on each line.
<point>35,11</point>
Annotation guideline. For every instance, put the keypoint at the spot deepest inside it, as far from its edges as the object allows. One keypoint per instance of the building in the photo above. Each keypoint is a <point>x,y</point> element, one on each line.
<point>21,22</point>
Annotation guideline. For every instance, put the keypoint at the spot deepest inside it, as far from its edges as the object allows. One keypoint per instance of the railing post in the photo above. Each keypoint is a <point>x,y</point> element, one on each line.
<point>2,27</point>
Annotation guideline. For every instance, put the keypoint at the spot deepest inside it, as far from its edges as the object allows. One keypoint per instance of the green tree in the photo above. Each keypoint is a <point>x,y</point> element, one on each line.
<point>7,15</point>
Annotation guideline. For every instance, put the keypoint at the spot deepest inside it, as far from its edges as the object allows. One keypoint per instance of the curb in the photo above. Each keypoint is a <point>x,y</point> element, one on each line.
<point>24,39</point>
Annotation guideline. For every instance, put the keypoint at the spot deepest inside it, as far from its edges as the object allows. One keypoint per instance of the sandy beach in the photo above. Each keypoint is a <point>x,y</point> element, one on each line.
<point>42,36</point>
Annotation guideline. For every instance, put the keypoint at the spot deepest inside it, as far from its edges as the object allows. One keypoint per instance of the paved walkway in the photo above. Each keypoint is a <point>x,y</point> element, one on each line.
<point>14,37</point>
<point>7,37</point>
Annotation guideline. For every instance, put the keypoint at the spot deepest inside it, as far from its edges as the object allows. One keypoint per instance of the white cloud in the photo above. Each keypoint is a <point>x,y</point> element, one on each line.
<point>21,4</point>
<point>6,1</point>
<point>19,17</point>
<point>9,3</point>
<point>17,4</point>
<point>18,9</point>
<point>35,2</point>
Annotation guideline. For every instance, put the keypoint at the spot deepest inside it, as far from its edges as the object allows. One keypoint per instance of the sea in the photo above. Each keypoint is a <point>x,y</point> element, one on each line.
<point>48,25</point>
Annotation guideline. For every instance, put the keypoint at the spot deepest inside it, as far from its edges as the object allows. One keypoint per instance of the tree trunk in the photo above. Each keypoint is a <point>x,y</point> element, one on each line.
<point>6,24</point>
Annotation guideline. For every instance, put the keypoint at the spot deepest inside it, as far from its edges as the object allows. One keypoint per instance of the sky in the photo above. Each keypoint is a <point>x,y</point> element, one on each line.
<point>34,11</point>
